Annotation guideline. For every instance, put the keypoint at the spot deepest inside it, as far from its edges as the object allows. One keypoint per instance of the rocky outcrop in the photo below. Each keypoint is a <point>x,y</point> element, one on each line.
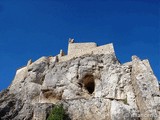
<point>90,87</point>
<point>146,88</point>
<point>12,107</point>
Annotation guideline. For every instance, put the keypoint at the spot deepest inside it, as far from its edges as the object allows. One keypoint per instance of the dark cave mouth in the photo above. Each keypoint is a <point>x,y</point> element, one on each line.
<point>89,83</point>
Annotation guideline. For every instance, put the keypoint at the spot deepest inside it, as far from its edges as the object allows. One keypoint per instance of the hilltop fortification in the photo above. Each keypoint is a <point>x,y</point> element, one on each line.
<point>90,83</point>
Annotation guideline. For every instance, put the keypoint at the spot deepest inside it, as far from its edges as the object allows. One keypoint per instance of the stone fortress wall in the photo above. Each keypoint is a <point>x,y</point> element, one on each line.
<point>79,49</point>
<point>74,48</point>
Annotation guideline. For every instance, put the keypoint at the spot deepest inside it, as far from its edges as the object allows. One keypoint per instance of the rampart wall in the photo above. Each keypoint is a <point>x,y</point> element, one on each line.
<point>77,50</point>
<point>105,49</point>
<point>74,48</point>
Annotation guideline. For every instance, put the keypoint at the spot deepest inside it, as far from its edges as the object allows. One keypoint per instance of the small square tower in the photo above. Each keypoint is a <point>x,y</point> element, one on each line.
<point>74,48</point>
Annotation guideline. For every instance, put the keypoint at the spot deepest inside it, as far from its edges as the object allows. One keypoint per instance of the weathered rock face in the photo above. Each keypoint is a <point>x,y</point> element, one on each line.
<point>90,87</point>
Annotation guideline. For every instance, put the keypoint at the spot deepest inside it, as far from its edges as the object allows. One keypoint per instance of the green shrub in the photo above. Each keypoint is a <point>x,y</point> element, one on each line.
<point>57,113</point>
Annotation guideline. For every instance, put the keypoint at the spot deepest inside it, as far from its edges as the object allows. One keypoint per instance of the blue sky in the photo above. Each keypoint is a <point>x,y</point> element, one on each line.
<point>30,29</point>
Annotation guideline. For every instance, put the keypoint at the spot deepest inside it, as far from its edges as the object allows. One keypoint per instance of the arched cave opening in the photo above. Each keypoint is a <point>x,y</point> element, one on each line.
<point>89,84</point>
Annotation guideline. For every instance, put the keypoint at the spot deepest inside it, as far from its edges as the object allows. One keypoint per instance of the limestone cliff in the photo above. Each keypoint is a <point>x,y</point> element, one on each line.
<point>92,85</point>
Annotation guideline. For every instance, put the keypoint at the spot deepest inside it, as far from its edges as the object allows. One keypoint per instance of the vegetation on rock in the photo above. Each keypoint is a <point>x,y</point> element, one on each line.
<point>57,113</point>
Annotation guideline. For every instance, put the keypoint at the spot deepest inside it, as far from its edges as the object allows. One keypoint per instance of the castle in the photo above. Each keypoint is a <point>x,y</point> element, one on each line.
<point>89,81</point>
<point>76,50</point>
<point>79,49</point>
